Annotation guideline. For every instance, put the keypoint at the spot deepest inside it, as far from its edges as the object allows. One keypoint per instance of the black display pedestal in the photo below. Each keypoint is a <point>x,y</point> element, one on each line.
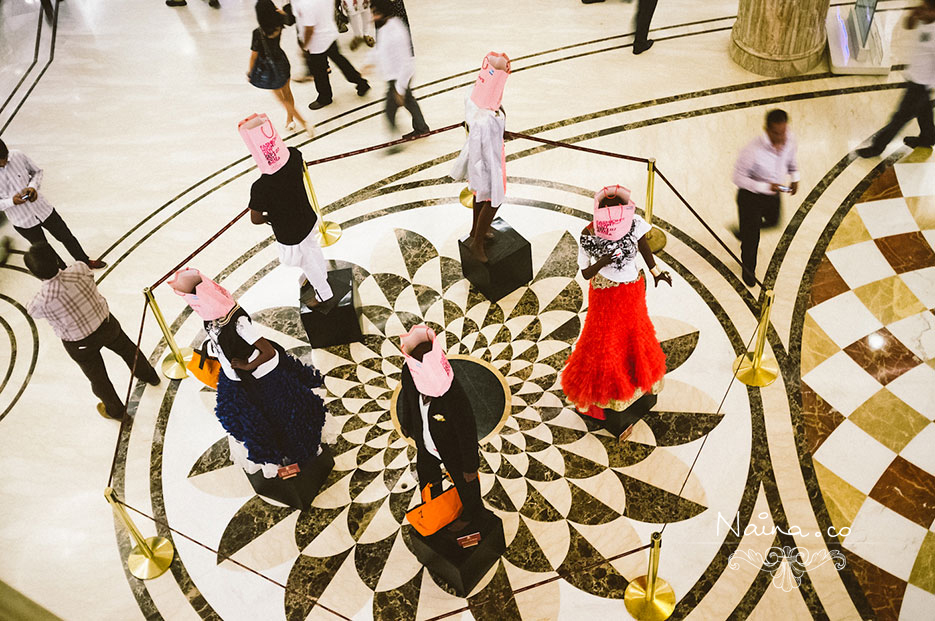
<point>620,423</point>
<point>509,262</point>
<point>461,568</point>
<point>335,321</point>
<point>298,491</point>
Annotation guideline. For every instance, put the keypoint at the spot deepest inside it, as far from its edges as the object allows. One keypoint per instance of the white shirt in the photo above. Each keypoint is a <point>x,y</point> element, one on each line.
<point>921,68</point>
<point>394,54</point>
<point>248,333</point>
<point>759,165</point>
<point>426,436</point>
<point>481,160</point>
<point>19,173</point>
<point>317,14</point>
<point>629,272</point>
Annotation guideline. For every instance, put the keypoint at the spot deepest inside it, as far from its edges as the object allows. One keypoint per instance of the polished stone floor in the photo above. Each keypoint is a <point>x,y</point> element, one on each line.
<point>813,497</point>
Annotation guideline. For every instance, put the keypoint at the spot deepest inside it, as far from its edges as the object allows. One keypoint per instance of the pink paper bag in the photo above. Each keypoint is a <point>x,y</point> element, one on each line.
<point>614,221</point>
<point>432,376</point>
<point>488,89</point>
<point>264,143</point>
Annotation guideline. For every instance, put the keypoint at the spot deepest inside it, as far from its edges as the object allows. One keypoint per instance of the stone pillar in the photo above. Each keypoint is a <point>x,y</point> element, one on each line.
<point>779,37</point>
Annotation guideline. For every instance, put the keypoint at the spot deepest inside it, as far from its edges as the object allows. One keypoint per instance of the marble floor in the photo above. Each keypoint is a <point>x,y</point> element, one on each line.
<point>813,497</point>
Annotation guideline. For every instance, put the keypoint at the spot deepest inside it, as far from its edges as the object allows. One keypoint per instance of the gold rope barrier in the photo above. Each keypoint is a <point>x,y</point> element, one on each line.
<point>174,364</point>
<point>656,238</point>
<point>649,597</point>
<point>752,368</point>
<point>151,557</point>
<point>328,232</point>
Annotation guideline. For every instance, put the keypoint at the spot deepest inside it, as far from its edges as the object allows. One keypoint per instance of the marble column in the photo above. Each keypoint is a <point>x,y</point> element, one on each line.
<point>779,37</point>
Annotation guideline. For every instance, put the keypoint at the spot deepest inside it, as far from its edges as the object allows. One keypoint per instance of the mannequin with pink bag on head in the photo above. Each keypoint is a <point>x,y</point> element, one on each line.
<point>617,359</point>
<point>265,397</point>
<point>436,413</point>
<point>482,160</point>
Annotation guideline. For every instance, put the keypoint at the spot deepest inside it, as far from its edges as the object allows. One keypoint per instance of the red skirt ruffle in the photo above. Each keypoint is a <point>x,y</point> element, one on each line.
<point>617,358</point>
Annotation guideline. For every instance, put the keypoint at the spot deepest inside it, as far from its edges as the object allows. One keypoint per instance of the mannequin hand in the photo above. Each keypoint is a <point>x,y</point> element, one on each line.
<point>605,260</point>
<point>30,194</point>
<point>470,477</point>
<point>239,363</point>
<point>662,277</point>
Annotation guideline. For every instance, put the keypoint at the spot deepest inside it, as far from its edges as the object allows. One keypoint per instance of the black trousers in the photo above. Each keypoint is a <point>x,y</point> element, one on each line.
<point>418,121</point>
<point>318,68</point>
<point>754,211</point>
<point>60,231</point>
<point>915,104</point>
<point>429,469</point>
<point>644,16</point>
<point>87,353</point>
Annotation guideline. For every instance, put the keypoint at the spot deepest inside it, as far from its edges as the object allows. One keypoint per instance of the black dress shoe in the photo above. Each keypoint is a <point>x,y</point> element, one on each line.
<point>415,134</point>
<point>362,88</point>
<point>153,380</point>
<point>318,104</point>
<point>869,152</point>
<point>214,4</point>
<point>176,3</point>
<point>639,48</point>
<point>916,141</point>
<point>748,280</point>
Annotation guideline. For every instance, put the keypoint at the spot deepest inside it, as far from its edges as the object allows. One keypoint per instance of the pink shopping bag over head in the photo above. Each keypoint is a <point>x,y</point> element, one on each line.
<point>264,143</point>
<point>488,89</point>
<point>433,375</point>
<point>614,221</point>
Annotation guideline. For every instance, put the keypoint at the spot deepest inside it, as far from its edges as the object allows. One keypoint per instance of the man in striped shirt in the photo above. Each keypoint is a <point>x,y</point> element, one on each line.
<point>79,315</point>
<point>28,210</point>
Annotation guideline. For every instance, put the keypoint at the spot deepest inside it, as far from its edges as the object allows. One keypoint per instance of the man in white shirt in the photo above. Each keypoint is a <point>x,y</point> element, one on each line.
<point>921,76</point>
<point>394,57</point>
<point>318,36</point>
<point>760,174</point>
<point>28,210</point>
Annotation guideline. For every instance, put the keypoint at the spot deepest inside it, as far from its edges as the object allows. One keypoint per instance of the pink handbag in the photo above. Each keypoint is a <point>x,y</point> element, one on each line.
<point>432,376</point>
<point>614,221</point>
<point>264,143</point>
<point>488,89</point>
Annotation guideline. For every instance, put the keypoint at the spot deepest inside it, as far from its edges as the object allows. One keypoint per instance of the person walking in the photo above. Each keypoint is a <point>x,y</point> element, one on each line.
<point>761,174</point>
<point>394,56</point>
<point>361,21</point>
<point>269,67</point>
<point>641,22</point>
<point>318,36</point>
<point>28,210</point>
<point>920,76</point>
<point>79,315</point>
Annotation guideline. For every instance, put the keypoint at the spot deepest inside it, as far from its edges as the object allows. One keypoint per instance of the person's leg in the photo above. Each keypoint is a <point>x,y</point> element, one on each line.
<point>644,17</point>
<point>347,69</point>
<point>748,210</point>
<point>308,257</point>
<point>418,121</point>
<point>770,209</point>
<point>391,105</point>
<point>34,235</point>
<point>60,231</point>
<point>318,67</point>
<point>87,353</point>
<point>484,218</point>
<point>117,341</point>
<point>925,115</point>
<point>288,100</point>
<point>904,113</point>
<point>428,468</point>
<point>357,26</point>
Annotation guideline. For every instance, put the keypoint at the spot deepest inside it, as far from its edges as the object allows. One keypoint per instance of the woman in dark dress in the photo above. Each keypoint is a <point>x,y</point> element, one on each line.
<point>269,66</point>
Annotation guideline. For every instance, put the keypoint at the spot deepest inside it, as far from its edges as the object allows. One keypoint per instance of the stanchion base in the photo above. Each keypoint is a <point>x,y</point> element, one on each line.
<point>764,375</point>
<point>656,239</point>
<point>467,197</point>
<point>658,608</point>
<point>102,410</point>
<point>171,367</point>
<point>146,568</point>
<point>328,233</point>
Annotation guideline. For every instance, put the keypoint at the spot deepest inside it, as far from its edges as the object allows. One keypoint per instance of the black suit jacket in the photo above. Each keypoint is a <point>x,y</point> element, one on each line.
<point>455,435</point>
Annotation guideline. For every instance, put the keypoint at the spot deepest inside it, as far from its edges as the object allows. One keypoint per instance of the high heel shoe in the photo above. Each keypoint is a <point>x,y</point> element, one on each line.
<point>290,125</point>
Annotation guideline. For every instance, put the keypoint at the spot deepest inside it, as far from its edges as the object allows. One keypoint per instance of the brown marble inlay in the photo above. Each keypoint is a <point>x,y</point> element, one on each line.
<point>908,490</point>
<point>820,418</point>
<point>826,283</point>
<point>882,355</point>
<point>883,590</point>
<point>906,252</point>
<point>883,187</point>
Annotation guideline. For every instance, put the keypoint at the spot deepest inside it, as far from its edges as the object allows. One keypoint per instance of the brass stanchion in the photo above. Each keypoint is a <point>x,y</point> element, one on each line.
<point>656,238</point>
<point>649,597</point>
<point>328,232</point>
<point>173,365</point>
<point>752,368</point>
<point>467,197</point>
<point>151,557</point>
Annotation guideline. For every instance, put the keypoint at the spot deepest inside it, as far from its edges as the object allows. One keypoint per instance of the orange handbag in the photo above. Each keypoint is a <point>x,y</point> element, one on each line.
<point>435,513</point>
<point>204,367</point>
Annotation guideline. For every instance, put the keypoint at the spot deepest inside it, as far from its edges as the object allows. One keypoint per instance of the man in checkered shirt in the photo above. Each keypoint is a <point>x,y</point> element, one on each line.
<point>79,315</point>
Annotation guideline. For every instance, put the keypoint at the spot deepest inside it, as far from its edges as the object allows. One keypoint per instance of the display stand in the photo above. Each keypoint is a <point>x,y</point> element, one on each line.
<point>335,321</point>
<point>508,266</point>
<point>300,490</point>
<point>620,423</point>
<point>855,44</point>
<point>461,568</point>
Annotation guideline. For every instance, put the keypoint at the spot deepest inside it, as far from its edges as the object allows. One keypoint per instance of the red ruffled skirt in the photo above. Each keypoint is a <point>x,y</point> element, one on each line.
<point>617,358</point>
